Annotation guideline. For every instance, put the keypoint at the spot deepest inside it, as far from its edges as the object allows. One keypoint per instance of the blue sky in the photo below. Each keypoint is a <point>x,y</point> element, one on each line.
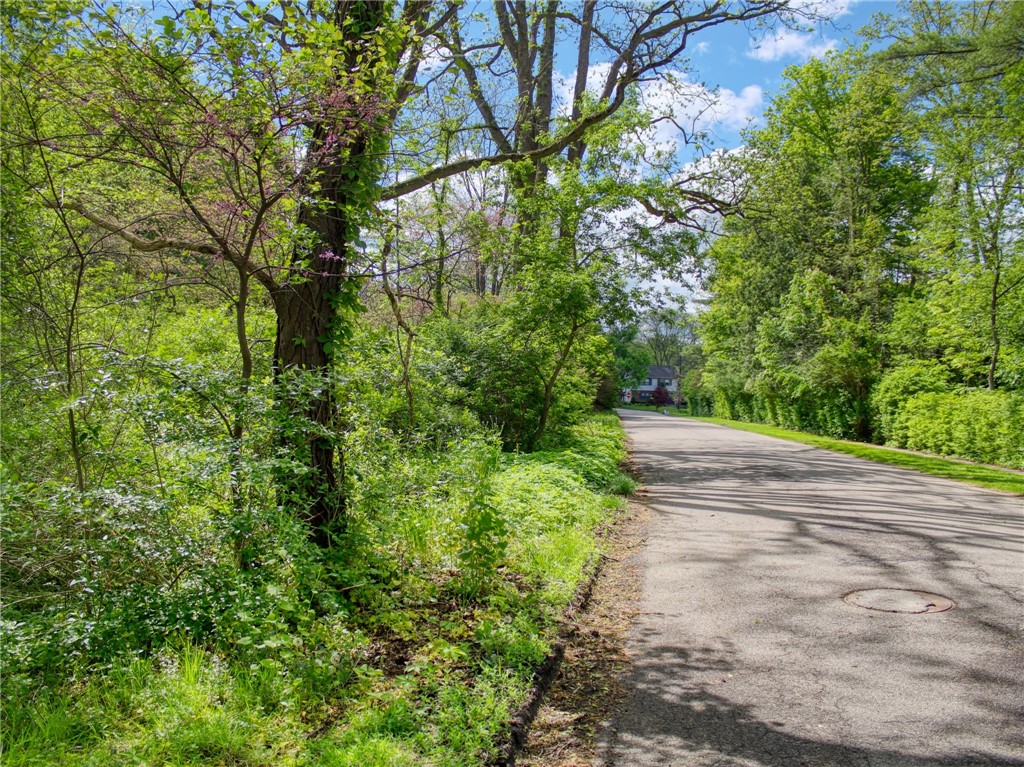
<point>749,72</point>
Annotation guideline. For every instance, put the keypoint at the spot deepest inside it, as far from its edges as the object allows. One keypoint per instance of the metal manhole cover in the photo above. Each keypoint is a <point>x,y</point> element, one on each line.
<point>899,601</point>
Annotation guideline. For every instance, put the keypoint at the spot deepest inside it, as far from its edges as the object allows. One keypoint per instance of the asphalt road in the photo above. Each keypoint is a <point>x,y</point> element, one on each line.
<point>745,652</point>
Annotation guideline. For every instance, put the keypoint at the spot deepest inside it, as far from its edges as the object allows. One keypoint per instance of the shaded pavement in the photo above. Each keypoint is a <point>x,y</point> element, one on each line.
<point>746,655</point>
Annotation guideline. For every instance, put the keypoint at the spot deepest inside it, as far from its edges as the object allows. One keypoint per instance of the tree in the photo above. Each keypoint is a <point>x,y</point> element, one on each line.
<point>661,397</point>
<point>266,125</point>
<point>806,277</point>
<point>266,143</point>
<point>964,66</point>
<point>670,334</point>
<point>631,358</point>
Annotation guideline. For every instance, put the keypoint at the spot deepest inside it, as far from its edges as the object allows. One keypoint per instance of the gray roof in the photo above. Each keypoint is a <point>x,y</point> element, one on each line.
<point>661,371</point>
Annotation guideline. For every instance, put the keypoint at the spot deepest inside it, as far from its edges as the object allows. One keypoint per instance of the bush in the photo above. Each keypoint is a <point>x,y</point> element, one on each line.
<point>896,388</point>
<point>551,516</point>
<point>661,397</point>
<point>506,362</point>
<point>592,450</point>
<point>177,613</point>
<point>979,425</point>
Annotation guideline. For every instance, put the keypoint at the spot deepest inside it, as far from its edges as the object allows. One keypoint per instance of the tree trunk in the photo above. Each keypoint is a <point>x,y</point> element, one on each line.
<point>993,321</point>
<point>314,303</point>
<point>238,417</point>
<point>438,288</point>
<point>577,148</point>
<point>309,325</point>
<point>305,317</point>
<point>549,388</point>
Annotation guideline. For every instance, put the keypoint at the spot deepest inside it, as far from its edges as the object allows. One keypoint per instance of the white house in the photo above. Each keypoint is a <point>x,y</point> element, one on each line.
<point>664,376</point>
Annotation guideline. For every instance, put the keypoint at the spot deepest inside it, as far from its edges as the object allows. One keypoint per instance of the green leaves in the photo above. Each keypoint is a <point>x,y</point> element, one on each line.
<point>805,282</point>
<point>485,532</point>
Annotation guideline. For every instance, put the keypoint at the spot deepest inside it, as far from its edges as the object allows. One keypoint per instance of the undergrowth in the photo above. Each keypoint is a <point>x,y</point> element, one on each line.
<point>411,644</point>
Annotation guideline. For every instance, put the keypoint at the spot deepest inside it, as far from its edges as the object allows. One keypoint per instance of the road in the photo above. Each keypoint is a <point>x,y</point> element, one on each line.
<point>745,653</point>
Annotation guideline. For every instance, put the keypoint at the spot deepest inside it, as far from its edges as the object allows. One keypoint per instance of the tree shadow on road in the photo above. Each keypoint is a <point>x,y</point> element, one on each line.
<point>763,512</point>
<point>687,715</point>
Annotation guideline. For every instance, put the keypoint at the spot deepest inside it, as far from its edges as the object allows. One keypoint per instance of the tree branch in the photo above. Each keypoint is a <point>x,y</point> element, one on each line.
<point>402,188</point>
<point>140,243</point>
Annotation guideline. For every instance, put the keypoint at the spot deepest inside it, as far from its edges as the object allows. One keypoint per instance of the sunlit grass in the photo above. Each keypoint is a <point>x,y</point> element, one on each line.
<point>432,672</point>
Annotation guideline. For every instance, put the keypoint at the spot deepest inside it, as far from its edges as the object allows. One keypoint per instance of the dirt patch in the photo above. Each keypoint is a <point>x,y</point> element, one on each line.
<point>564,733</point>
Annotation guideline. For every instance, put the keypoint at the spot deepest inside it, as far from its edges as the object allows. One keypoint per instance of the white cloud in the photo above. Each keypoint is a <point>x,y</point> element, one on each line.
<point>806,43</point>
<point>703,47</point>
<point>693,108</point>
<point>789,43</point>
<point>435,59</point>
<point>679,106</point>
<point>565,84</point>
<point>735,110</point>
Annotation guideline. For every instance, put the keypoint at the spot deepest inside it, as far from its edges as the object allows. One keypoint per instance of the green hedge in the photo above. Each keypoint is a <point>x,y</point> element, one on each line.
<point>788,401</point>
<point>979,425</point>
<point>897,387</point>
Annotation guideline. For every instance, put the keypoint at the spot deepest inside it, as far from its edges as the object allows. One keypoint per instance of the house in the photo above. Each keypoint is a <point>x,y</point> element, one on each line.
<point>664,376</point>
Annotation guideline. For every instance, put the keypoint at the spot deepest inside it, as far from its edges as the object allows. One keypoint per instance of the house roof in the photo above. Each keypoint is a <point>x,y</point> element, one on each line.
<point>661,371</point>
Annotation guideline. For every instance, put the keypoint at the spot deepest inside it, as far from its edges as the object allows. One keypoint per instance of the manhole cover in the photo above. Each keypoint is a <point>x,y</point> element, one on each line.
<point>899,601</point>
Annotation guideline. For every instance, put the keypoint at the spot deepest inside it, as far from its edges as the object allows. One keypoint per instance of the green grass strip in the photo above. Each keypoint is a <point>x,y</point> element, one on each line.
<point>971,473</point>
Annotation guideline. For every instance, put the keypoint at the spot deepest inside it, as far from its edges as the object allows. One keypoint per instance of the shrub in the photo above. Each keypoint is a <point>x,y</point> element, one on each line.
<point>896,388</point>
<point>661,397</point>
<point>979,425</point>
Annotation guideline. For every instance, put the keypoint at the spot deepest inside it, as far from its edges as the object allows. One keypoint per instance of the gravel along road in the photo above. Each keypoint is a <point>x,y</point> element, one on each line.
<point>802,607</point>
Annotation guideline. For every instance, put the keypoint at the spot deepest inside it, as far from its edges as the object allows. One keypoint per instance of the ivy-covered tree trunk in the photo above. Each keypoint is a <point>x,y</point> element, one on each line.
<point>315,305</point>
<point>306,317</point>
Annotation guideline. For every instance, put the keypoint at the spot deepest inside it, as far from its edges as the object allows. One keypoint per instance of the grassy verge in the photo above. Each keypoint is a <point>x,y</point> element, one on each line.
<point>974,474</point>
<point>420,659</point>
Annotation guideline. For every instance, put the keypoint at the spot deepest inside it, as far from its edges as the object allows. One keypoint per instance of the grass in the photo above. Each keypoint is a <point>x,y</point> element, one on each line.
<point>182,709</point>
<point>430,671</point>
<point>974,474</point>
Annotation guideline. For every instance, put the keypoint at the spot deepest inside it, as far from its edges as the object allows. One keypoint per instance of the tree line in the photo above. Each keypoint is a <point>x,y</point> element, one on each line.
<point>871,282</point>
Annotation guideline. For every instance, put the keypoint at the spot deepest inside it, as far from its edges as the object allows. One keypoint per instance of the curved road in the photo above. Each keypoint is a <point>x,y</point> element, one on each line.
<point>746,655</point>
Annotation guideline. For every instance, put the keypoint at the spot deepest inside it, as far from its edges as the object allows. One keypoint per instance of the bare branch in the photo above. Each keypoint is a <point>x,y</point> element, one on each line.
<point>555,146</point>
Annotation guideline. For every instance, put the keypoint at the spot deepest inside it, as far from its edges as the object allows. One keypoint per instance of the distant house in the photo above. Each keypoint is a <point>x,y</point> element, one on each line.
<point>665,376</point>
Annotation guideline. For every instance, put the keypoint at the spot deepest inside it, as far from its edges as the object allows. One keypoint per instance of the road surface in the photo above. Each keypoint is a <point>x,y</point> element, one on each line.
<point>745,652</point>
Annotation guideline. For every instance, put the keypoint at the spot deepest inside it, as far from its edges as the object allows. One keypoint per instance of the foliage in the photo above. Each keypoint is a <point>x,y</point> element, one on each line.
<point>528,363</point>
<point>182,707</point>
<point>697,397</point>
<point>802,285</point>
<point>660,396</point>
<point>875,271</point>
<point>631,358</point>
<point>898,386</point>
<point>216,462</point>
<point>592,450</point>
<point>281,283</point>
<point>207,650</point>
<point>980,425</point>
<point>973,124</point>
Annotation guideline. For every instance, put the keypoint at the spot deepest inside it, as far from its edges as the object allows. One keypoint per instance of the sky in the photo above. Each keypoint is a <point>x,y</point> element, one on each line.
<point>747,72</point>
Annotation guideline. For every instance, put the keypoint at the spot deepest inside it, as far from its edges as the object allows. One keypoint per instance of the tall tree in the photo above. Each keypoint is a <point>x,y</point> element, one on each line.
<point>963,64</point>
<point>265,125</point>
<point>807,276</point>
